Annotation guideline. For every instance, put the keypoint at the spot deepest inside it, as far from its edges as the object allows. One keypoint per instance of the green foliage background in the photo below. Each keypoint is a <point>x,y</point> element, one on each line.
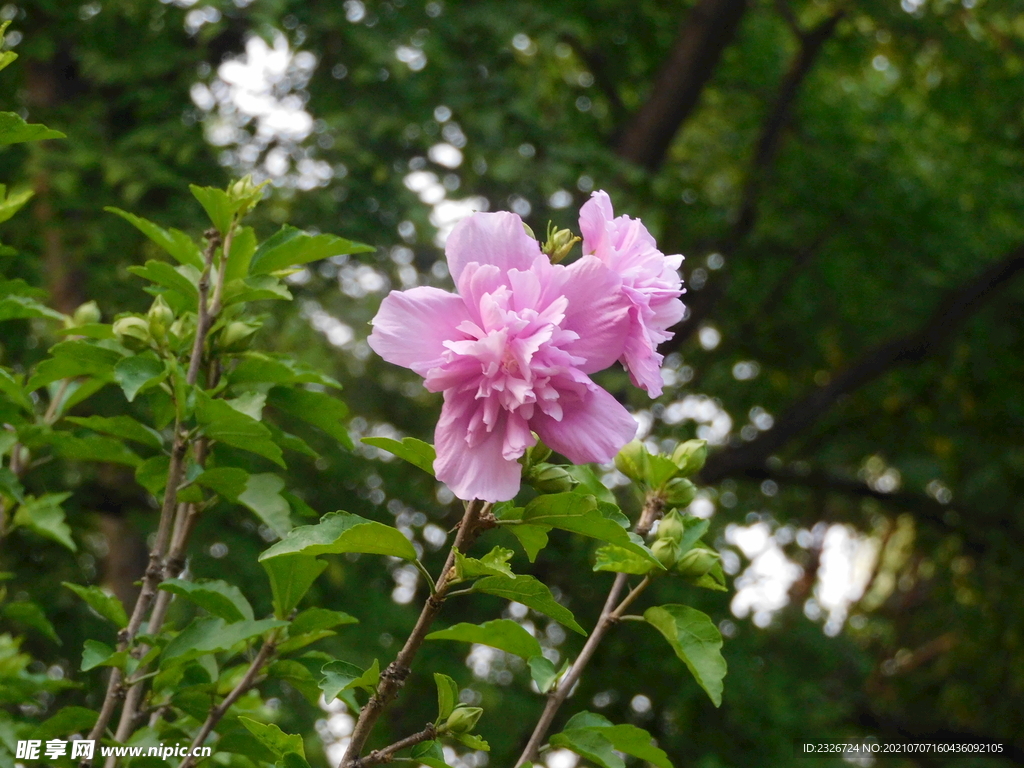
<point>895,182</point>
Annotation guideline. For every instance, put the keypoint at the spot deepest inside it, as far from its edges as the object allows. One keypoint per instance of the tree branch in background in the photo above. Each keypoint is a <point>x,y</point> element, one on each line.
<point>701,304</point>
<point>705,33</point>
<point>958,305</point>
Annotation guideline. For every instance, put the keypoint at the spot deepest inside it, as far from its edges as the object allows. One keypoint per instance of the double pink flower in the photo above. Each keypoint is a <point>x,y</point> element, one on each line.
<point>513,349</point>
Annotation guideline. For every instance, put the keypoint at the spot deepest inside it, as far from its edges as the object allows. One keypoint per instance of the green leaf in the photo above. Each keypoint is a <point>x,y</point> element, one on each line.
<point>44,516</point>
<point>341,676</point>
<point>9,483</point>
<point>11,386</point>
<point>223,423</point>
<point>97,654</point>
<point>503,634</point>
<point>12,203</point>
<point>447,696</point>
<point>243,246</point>
<point>31,615</point>
<point>291,577</point>
<point>696,640</point>
<point>472,741</point>
<point>430,754</point>
<point>590,483</point>
<point>619,560</point>
<point>258,368</point>
<point>139,372</point>
<point>416,452</point>
<point>67,721</point>
<point>580,514</point>
<point>14,130</point>
<point>316,408</point>
<point>544,673</point>
<point>290,247</point>
<point>659,470</point>
<point>92,448</point>
<point>213,634</point>
<point>106,605</point>
<point>152,474</point>
<point>694,529</point>
<point>263,496</point>
<point>273,738</point>
<point>183,280</point>
<point>589,744</point>
<point>121,426</point>
<point>76,357</point>
<point>175,242</point>
<point>625,738</point>
<point>314,619</point>
<point>340,532</point>
<point>18,307</point>
<point>299,676</point>
<point>213,595</point>
<point>494,563</point>
<point>533,538</point>
<point>258,288</point>
<point>531,593</point>
<point>229,482</point>
<point>217,204</point>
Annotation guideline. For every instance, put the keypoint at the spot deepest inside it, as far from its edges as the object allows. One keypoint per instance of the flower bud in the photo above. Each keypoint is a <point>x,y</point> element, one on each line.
<point>632,460</point>
<point>559,243</point>
<point>247,193</point>
<point>666,550</point>
<point>463,719</point>
<point>160,316</point>
<point>679,492</point>
<point>133,332</point>
<point>690,456</point>
<point>671,527</point>
<point>237,336</point>
<point>87,313</point>
<point>550,478</point>
<point>537,453</point>
<point>697,562</point>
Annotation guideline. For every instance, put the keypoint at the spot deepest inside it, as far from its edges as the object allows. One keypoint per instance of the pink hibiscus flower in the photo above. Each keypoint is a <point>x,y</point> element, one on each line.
<point>511,351</point>
<point>650,280</point>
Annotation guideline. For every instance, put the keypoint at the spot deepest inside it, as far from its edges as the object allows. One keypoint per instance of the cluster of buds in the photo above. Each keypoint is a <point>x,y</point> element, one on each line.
<point>138,333</point>
<point>678,549</point>
<point>545,477</point>
<point>665,476</point>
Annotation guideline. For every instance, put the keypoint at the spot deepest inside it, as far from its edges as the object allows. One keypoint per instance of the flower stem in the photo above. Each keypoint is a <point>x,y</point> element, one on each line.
<point>393,677</point>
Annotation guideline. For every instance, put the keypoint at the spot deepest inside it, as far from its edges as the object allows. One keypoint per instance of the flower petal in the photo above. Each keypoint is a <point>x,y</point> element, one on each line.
<point>490,238</point>
<point>598,311</point>
<point>595,215</point>
<point>480,472</point>
<point>411,327</point>
<point>593,428</point>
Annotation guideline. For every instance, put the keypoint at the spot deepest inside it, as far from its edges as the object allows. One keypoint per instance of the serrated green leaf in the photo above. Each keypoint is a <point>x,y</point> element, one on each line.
<point>217,204</point>
<point>589,744</point>
<point>256,288</point>
<point>44,516</point>
<point>175,242</point>
<point>139,372</point>
<point>447,696</point>
<point>619,560</point>
<point>243,246</point>
<point>590,483</point>
<point>416,452</point>
<point>316,408</point>
<point>213,595</point>
<point>31,615</point>
<point>290,247</point>
<point>15,392</point>
<point>531,593</point>
<point>503,634</point>
<point>97,654</point>
<point>106,605</point>
<point>273,738</point>
<point>533,538</point>
<point>291,576</point>
<point>223,423</point>
<point>340,532</point>
<point>494,563</point>
<point>314,619</point>
<point>298,676</point>
<point>229,482</point>
<point>543,673</point>
<point>184,279</point>
<point>92,448</point>
<point>14,130</point>
<point>120,426</point>
<point>259,368</point>
<point>430,754</point>
<point>213,634</point>
<point>341,676</point>
<point>263,496</point>
<point>625,738</point>
<point>76,357</point>
<point>695,640</point>
<point>472,741</point>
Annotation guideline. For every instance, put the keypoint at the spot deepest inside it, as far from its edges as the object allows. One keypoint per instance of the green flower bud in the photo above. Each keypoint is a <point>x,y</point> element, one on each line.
<point>559,243</point>
<point>690,456</point>
<point>671,527</point>
<point>160,316</point>
<point>632,460</point>
<point>697,562</point>
<point>87,313</point>
<point>463,719</point>
<point>538,453</point>
<point>679,492</point>
<point>550,478</point>
<point>246,193</point>
<point>237,336</point>
<point>133,332</point>
<point>667,551</point>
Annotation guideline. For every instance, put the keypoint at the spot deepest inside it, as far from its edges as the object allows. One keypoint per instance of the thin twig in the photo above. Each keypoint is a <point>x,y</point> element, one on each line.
<point>387,754</point>
<point>247,682</point>
<point>392,678</point>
